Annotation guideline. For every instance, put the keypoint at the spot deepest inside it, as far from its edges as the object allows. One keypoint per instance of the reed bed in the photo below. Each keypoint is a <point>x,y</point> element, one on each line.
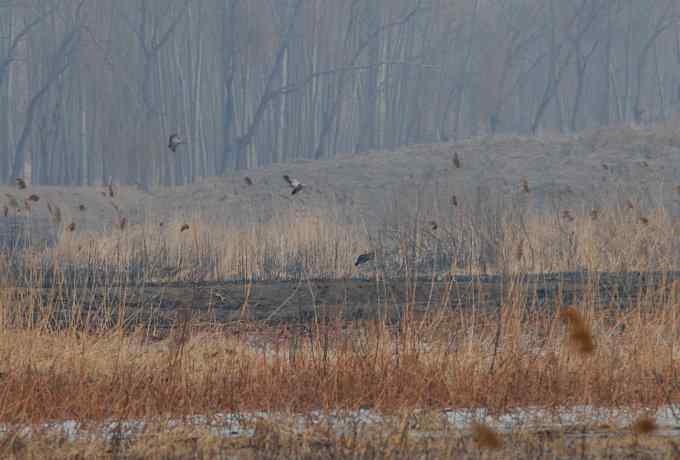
<point>60,360</point>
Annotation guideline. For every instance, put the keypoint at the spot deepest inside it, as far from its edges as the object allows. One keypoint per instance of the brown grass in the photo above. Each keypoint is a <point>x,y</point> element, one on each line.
<point>77,350</point>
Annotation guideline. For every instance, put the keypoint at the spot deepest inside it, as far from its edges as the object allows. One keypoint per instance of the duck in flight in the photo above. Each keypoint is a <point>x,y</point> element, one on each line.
<point>174,142</point>
<point>294,183</point>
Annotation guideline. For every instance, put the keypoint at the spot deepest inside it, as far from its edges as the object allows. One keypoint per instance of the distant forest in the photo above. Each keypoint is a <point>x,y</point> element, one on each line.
<point>91,89</point>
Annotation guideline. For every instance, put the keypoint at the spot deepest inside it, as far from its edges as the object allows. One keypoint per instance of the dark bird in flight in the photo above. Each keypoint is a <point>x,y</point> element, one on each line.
<point>294,183</point>
<point>456,160</point>
<point>21,183</point>
<point>363,258</point>
<point>174,141</point>
<point>248,180</point>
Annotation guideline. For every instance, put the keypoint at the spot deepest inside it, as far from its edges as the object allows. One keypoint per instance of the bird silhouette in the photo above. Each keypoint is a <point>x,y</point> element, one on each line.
<point>174,141</point>
<point>456,160</point>
<point>363,258</point>
<point>294,183</point>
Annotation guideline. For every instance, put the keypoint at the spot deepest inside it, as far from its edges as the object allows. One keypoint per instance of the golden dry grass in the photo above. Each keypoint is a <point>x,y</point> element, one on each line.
<point>60,361</point>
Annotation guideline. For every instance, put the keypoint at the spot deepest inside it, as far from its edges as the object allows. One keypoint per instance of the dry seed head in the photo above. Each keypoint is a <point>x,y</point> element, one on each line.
<point>122,223</point>
<point>644,425</point>
<point>605,167</point>
<point>454,200</point>
<point>456,160</point>
<point>34,198</point>
<point>111,191</point>
<point>580,334</point>
<point>5,211</point>
<point>675,292</point>
<point>677,189</point>
<point>81,207</point>
<point>629,204</point>
<point>594,214</point>
<point>27,205</point>
<point>248,180</point>
<point>525,185</point>
<point>71,227</point>
<point>643,220</point>
<point>433,225</point>
<point>519,250</point>
<point>485,437</point>
<point>21,183</point>
<point>566,215</point>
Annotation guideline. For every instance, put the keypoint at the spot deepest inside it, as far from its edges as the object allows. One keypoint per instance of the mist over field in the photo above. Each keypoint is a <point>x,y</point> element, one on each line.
<point>91,90</point>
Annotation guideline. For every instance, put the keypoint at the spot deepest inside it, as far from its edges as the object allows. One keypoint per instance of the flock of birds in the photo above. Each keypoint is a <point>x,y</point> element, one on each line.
<point>174,141</point>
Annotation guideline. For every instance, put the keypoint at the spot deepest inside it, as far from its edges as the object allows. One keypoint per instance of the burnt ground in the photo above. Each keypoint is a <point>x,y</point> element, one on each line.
<point>304,301</point>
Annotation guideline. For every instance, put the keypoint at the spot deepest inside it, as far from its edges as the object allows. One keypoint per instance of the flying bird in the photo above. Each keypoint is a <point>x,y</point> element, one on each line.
<point>363,258</point>
<point>294,183</point>
<point>174,141</point>
<point>21,183</point>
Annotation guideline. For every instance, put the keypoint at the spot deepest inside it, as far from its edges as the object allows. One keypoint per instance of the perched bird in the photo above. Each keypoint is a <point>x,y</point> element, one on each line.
<point>184,227</point>
<point>294,183</point>
<point>21,183</point>
<point>363,258</point>
<point>248,180</point>
<point>456,160</point>
<point>174,141</point>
